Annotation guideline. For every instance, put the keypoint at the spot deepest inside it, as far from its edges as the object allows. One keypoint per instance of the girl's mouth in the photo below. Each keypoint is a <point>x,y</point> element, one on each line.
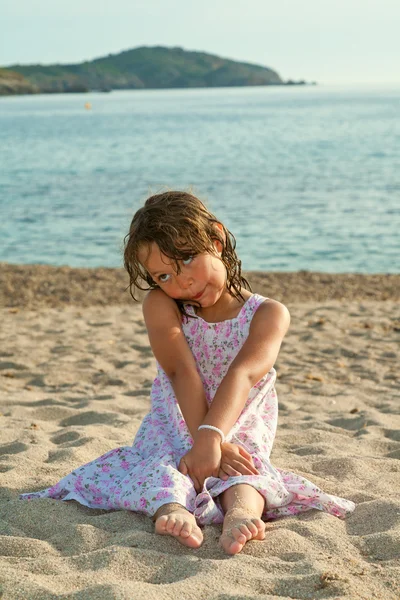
<point>198,295</point>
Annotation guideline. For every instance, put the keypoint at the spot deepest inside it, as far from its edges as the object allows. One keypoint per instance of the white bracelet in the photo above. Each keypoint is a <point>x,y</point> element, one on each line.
<point>221,433</point>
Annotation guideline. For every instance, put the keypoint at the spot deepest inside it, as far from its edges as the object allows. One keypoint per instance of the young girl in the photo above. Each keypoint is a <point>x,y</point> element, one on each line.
<point>201,455</point>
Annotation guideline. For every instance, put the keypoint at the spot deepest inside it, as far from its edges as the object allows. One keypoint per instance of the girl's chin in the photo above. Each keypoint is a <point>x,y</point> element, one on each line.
<point>201,298</point>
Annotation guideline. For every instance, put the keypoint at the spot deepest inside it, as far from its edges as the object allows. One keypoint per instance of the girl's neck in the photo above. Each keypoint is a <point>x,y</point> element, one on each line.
<point>227,307</point>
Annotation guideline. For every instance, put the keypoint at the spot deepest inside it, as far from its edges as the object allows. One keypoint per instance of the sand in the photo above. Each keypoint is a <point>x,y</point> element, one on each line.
<point>75,374</point>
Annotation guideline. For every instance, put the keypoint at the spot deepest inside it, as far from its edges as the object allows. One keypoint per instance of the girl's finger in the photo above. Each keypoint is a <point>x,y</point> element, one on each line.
<point>240,461</point>
<point>248,462</point>
<point>222,475</point>
<point>244,467</point>
<point>196,483</point>
<point>182,468</point>
<point>244,453</point>
<point>229,470</point>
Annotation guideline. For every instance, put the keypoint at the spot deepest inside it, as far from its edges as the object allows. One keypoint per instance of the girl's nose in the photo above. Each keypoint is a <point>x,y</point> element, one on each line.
<point>184,281</point>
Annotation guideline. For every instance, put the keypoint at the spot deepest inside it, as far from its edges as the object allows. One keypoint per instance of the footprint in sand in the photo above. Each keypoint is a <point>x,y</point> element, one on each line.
<point>120,364</point>
<point>62,438</point>
<point>310,450</point>
<point>375,516</point>
<point>104,380</point>
<point>353,424</point>
<point>95,418</point>
<point>142,392</point>
<point>13,448</point>
<point>392,434</point>
<point>146,350</point>
<point>382,546</point>
<point>6,365</point>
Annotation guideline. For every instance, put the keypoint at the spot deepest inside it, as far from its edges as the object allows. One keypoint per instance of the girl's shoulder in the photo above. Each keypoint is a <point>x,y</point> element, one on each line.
<point>159,303</point>
<point>271,311</point>
<point>166,336</point>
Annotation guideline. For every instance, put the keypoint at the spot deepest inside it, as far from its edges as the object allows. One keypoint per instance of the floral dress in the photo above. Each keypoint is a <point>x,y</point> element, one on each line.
<point>144,476</point>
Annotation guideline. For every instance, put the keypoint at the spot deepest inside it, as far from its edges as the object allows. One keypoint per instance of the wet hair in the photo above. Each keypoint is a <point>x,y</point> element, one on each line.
<point>182,226</point>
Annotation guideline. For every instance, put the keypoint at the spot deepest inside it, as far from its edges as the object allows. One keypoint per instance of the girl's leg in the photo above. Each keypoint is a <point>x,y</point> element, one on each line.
<point>243,506</point>
<point>173,519</point>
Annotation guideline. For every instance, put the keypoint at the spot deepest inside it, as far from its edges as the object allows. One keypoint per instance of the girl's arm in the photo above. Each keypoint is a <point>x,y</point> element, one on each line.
<point>256,358</point>
<point>170,348</point>
<point>169,345</point>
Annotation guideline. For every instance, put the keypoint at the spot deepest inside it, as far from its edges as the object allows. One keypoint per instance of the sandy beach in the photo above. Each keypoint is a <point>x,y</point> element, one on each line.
<point>75,374</point>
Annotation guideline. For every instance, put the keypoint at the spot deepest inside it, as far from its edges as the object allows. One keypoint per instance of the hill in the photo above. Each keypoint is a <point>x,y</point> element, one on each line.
<point>145,67</point>
<point>14,83</point>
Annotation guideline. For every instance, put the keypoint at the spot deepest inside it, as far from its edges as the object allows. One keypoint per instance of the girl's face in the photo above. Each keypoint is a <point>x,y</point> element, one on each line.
<point>202,277</point>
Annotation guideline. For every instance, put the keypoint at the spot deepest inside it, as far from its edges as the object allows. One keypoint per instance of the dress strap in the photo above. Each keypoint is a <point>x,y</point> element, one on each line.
<point>249,308</point>
<point>255,301</point>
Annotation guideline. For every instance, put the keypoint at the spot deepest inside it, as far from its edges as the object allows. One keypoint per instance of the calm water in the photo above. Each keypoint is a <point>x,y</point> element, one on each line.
<point>306,178</point>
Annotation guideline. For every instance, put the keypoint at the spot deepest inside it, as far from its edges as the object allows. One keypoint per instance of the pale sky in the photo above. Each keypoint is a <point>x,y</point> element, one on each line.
<point>328,41</point>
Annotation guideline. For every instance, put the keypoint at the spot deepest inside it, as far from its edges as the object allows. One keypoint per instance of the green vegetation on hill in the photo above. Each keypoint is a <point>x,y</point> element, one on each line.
<point>145,67</point>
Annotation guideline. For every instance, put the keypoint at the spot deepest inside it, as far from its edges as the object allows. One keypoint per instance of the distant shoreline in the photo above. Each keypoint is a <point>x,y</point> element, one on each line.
<point>27,90</point>
<point>35,286</point>
<point>144,67</point>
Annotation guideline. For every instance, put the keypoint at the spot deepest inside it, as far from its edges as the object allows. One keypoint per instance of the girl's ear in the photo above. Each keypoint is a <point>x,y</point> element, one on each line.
<point>218,245</point>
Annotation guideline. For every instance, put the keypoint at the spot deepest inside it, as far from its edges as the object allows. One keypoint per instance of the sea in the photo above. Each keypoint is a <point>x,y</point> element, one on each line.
<point>305,177</point>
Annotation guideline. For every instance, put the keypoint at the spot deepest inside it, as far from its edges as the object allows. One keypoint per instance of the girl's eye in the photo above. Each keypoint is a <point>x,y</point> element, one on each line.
<point>164,278</point>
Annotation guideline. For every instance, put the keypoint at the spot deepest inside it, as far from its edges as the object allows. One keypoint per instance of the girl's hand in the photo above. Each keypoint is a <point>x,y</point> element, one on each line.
<point>202,461</point>
<point>235,461</point>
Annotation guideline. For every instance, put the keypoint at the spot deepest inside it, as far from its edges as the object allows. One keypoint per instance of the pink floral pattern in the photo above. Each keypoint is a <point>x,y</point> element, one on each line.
<point>144,476</point>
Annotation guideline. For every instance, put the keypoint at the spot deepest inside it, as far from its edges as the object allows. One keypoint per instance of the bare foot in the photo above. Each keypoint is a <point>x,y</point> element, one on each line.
<point>175,520</point>
<point>240,527</point>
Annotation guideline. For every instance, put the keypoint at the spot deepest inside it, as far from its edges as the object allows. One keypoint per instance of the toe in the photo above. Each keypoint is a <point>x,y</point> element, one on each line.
<point>186,530</point>
<point>230,544</point>
<point>260,525</point>
<point>245,531</point>
<point>238,535</point>
<point>173,524</point>
<point>176,530</point>
<point>252,527</point>
<point>161,524</point>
